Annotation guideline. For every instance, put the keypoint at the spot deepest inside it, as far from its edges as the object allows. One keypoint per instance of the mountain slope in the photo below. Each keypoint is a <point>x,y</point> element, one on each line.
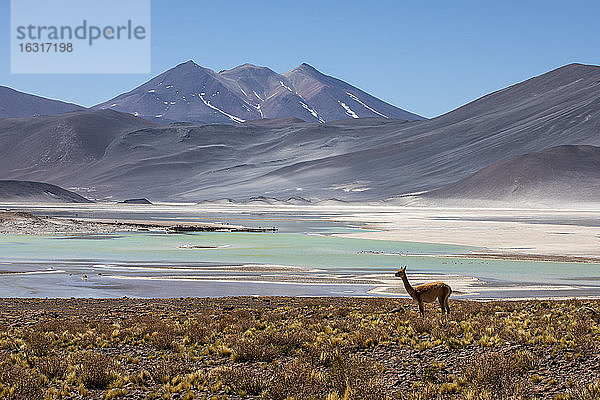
<point>191,93</point>
<point>560,174</point>
<point>28,192</point>
<point>14,104</point>
<point>192,163</point>
<point>39,148</point>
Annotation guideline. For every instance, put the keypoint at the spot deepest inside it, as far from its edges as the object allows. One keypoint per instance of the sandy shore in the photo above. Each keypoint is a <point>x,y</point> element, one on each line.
<point>537,235</point>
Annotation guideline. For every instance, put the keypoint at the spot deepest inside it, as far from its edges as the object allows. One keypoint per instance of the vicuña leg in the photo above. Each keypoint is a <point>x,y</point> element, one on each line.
<point>442,305</point>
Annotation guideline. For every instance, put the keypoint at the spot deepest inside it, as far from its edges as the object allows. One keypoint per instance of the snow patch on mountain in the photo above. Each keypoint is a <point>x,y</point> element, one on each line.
<point>232,117</point>
<point>313,112</point>
<point>287,87</point>
<point>353,97</point>
<point>348,110</point>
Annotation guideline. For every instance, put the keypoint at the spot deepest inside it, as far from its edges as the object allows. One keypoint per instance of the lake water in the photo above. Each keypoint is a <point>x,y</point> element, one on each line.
<point>302,259</point>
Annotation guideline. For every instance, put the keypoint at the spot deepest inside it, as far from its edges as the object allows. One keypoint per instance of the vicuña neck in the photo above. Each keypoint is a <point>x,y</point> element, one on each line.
<point>408,286</point>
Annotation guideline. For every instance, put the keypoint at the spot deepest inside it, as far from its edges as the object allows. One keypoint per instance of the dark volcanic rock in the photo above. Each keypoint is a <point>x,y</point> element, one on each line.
<point>136,201</point>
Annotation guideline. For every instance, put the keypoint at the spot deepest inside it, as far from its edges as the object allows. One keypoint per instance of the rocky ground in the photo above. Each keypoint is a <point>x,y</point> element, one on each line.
<point>28,224</point>
<point>297,348</point>
<point>23,223</point>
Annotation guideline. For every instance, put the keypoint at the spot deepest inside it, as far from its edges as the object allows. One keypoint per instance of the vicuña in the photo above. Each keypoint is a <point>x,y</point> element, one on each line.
<point>427,293</point>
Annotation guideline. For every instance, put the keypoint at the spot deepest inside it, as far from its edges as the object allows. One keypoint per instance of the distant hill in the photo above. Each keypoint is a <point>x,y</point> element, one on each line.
<point>558,174</point>
<point>15,104</point>
<point>36,192</point>
<point>191,93</point>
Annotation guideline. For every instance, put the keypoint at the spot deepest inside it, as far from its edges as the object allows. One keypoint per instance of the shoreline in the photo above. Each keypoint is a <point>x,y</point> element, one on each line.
<point>525,257</point>
<point>268,280</point>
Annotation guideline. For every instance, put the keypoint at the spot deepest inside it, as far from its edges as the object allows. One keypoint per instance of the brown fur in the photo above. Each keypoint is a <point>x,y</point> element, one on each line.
<point>427,293</point>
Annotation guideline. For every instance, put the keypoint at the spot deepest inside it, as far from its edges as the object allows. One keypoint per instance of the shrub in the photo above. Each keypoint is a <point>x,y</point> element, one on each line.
<point>198,331</point>
<point>96,370</point>
<point>496,372</point>
<point>267,345</point>
<point>164,370</point>
<point>38,343</point>
<point>23,383</point>
<point>295,380</point>
<point>242,380</point>
<point>587,391</point>
<point>525,360</point>
<point>356,378</point>
<point>54,365</point>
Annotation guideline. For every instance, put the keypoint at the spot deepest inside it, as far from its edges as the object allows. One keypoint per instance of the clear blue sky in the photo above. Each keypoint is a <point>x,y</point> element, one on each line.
<point>428,57</point>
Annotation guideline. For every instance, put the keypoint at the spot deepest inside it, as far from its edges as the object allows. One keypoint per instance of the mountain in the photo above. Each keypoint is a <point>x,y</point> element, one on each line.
<point>191,93</point>
<point>47,147</point>
<point>350,159</point>
<point>561,174</point>
<point>335,99</point>
<point>36,192</point>
<point>14,104</point>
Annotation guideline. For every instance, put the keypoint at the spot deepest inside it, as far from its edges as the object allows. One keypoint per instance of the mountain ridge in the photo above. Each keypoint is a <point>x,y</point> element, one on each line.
<point>37,147</point>
<point>16,104</point>
<point>189,92</point>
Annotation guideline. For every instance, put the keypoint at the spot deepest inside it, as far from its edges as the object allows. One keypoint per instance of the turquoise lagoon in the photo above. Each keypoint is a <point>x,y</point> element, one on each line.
<point>226,264</point>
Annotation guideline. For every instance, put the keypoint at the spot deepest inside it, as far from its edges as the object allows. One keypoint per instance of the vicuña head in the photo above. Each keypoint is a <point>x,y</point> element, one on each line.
<point>401,272</point>
<point>427,293</point>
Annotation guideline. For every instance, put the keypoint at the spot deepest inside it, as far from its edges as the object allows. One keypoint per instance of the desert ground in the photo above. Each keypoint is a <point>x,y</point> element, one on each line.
<point>297,348</point>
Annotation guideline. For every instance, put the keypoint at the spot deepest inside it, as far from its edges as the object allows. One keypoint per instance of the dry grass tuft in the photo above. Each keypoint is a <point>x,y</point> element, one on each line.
<point>96,370</point>
<point>21,384</point>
